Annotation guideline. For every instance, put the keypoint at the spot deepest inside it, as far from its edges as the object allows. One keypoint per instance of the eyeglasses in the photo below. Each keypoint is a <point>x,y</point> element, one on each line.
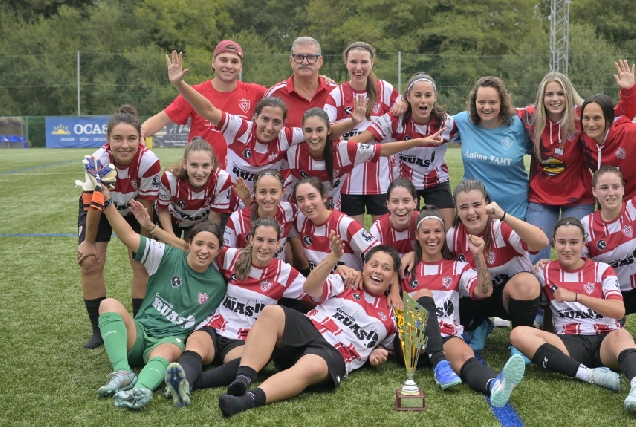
<point>299,58</point>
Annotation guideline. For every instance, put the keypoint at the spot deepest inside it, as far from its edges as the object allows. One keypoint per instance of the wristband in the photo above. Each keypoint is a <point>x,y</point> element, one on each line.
<point>153,229</point>
<point>503,217</point>
<point>107,203</point>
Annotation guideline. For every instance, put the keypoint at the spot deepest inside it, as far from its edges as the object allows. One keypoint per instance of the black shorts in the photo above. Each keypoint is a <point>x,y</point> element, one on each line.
<point>439,196</point>
<point>629,299</point>
<point>301,337</point>
<point>472,312</point>
<point>354,204</point>
<point>584,348</point>
<point>104,230</point>
<point>222,345</point>
<point>422,361</point>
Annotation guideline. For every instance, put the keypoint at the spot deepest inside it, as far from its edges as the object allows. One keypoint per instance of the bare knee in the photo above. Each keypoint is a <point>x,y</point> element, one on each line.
<point>111,305</point>
<point>201,343</point>
<point>519,334</point>
<point>271,313</point>
<point>91,267</point>
<point>422,293</point>
<point>523,286</point>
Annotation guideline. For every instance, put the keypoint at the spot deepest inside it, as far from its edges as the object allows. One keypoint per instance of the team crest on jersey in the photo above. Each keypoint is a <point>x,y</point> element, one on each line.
<point>307,240</point>
<point>247,154</point>
<point>506,143</point>
<point>490,257</point>
<point>376,108</point>
<point>176,281</point>
<point>414,283</point>
<point>588,288</point>
<point>203,298</point>
<point>628,231</point>
<point>621,153</point>
<point>601,245</point>
<point>133,183</point>
<point>244,104</point>
<point>272,157</point>
<point>336,172</point>
<point>366,236</point>
<point>462,257</point>
<point>382,315</point>
<point>447,281</point>
<point>265,285</point>
<point>356,297</point>
<point>570,135</point>
<point>181,203</point>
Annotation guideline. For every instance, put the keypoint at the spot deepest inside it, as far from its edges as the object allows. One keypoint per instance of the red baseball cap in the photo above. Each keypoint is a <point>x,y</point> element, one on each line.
<point>228,46</point>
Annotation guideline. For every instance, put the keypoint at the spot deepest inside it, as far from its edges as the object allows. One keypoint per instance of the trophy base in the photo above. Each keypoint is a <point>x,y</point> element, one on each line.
<point>409,402</point>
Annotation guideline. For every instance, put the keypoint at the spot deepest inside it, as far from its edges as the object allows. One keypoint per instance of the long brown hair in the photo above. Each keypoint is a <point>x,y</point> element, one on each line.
<point>467,186</point>
<point>428,210</point>
<point>327,152</point>
<point>126,114</point>
<point>244,262</point>
<point>506,109</point>
<point>197,144</point>
<point>266,172</point>
<point>437,112</point>
<point>372,92</point>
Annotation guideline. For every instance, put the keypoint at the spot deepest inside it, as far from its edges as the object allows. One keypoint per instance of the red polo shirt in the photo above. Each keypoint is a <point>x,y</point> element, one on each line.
<point>296,104</point>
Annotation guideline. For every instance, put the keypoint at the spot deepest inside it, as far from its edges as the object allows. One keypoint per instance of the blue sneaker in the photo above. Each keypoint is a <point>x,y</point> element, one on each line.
<point>120,380</point>
<point>445,377</point>
<point>479,335</point>
<point>605,377</point>
<point>630,401</point>
<point>538,320</point>
<point>501,387</point>
<point>177,385</point>
<point>135,398</point>
<point>513,351</point>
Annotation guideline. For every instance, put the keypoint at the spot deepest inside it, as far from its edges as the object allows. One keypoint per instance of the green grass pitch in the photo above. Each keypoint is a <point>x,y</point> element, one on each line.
<point>49,379</point>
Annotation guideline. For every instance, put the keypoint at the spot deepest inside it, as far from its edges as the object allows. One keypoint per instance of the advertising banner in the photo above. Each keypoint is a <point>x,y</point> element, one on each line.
<point>76,132</point>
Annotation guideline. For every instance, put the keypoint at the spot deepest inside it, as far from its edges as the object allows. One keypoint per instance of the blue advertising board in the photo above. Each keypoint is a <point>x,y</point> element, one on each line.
<point>76,132</point>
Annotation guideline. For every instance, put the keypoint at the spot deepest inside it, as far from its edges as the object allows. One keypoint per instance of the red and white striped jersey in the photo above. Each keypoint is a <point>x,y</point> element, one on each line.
<point>425,167</point>
<point>346,154</point>
<point>594,279</point>
<point>506,256</point>
<point>246,155</point>
<point>354,322</point>
<point>367,178</point>
<point>245,299</point>
<point>187,204</point>
<point>238,226</point>
<point>315,239</point>
<point>386,234</point>
<point>448,281</point>
<point>613,243</point>
<point>139,179</point>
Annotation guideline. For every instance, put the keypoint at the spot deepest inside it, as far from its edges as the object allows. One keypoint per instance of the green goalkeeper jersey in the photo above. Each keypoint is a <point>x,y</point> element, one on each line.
<point>178,298</point>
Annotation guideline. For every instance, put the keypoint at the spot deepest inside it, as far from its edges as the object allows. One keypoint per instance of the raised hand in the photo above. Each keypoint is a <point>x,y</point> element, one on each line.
<point>494,210</point>
<point>337,244</point>
<point>625,77</point>
<point>476,244</point>
<point>141,214</point>
<point>242,190</point>
<point>175,71</point>
<point>399,108</point>
<point>359,109</point>
<point>434,140</point>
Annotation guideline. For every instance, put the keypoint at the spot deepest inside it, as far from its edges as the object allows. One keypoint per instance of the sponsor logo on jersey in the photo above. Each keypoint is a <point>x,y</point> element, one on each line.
<point>348,110</point>
<point>247,153</point>
<point>506,143</point>
<point>176,281</point>
<point>446,309</point>
<point>447,281</point>
<point>244,104</point>
<point>568,313</point>
<point>371,337</point>
<point>414,283</point>
<point>266,285</point>
<point>181,203</point>
<point>232,278</point>
<point>621,153</point>
<point>247,237</point>
<point>364,147</point>
<point>356,297</point>
<point>552,166</point>
<point>240,173</point>
<point>236,306</point>
<point>462,257</point>
<point>203,298</point>
<point>628,231</point>
<point>415,160</point>
<point>156,181</point>
<point>307,240</point>
<point>588,288</point>
<point>165,308</point>
<point>601,245</point>
<point>366,236</point>
<point>303,174</point>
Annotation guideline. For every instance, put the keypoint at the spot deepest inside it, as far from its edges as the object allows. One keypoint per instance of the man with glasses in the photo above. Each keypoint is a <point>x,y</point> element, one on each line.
<point>305,88</point>
<point>225,91</point>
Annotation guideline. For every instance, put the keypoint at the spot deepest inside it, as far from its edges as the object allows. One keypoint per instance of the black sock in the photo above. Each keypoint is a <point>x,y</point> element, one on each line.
<point>522,312</point>
<point>477,375</point>
<point>231,405</point>
<point>627,362</point>
<point>549,357</point>
<point>192,365</point>
<point>219,376</point>
<point>305,271</point>
<point>136,303</point>
<point>434,346</point>
<point>244,378</point>
<point>92,307</point>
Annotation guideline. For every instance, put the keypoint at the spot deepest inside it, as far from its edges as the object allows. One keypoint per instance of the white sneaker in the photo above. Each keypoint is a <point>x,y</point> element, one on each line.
<point>501,323</point>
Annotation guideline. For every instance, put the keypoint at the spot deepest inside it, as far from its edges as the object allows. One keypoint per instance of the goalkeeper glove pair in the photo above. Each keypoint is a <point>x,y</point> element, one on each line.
<point>95,175</point>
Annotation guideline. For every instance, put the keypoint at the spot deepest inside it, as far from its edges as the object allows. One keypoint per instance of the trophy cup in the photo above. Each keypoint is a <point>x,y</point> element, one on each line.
<point>411,322</point>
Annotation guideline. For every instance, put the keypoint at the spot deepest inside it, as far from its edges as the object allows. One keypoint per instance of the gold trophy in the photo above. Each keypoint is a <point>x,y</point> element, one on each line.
<point>411,322</point>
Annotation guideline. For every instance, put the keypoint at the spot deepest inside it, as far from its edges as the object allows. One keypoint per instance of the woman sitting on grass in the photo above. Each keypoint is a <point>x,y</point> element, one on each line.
<point>183,289</point>
<point>436,283</point>
<point>586,302</point>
